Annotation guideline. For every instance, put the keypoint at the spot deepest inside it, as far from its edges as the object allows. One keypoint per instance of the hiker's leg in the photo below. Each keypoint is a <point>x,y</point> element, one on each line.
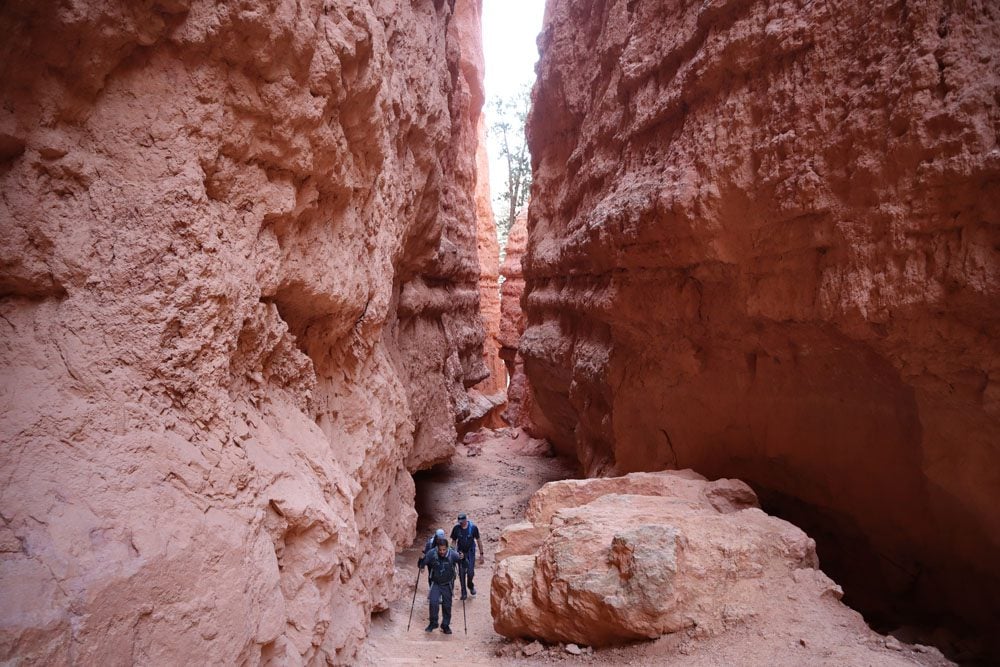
<point>434,598</point>
<point>446,606</point>
<point>432,622</point>
<point>463,566</point>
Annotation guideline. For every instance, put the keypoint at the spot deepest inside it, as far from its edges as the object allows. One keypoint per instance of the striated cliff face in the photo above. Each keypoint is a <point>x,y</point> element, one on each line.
<point>238,295</point>
<point>520,410</point>
<point>440,332</point>
<point>763,244</point>
<point>494,387</point>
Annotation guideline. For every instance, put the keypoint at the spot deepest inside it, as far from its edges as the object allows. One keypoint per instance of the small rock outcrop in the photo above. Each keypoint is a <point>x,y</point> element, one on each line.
<point>239,306</point>
<point>613,560</point>
<point>763,244</point>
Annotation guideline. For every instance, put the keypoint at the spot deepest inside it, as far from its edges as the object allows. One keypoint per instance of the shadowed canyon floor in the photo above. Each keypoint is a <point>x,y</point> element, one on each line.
<point>494,487</point>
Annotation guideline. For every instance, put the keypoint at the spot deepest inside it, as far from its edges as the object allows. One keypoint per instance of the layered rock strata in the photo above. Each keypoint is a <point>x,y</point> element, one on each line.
<point>607,561</point>
<point>520,410</point>
<point>493,387</point>
<point>238,294</point>
<point>763,244</point>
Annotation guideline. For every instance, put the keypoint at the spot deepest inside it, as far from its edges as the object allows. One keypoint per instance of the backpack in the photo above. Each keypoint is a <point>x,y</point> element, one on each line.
<point>465,542</point>
<point>442,569</point>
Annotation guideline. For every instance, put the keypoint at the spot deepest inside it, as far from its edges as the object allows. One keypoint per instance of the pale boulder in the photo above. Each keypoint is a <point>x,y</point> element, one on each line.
<point>614,560</point>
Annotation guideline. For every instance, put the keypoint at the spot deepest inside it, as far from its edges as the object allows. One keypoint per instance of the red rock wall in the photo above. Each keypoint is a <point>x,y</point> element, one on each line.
<point>238,295</point>
<point>440,332</point>
<point>763,244</point>
<point>489,286</point>
<point>521,410</point>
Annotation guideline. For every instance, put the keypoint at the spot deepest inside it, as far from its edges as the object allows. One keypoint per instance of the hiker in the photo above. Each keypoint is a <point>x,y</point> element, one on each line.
<point>465,536</point>
<point>441,562</point>
<point>430,540</point>
<point>427,547</point>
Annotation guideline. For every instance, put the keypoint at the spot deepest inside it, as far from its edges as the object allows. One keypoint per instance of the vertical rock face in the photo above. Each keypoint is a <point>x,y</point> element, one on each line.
<point>238,294</point>
<point>440,332</point>
<point>495,386</point>
<point>520,406</point>
<point>763,243</point>
<point>511,316</point>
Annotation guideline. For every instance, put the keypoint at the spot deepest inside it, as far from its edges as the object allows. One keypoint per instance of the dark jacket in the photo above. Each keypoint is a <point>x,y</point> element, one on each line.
<point>442,568</point>
<point>465,540</point>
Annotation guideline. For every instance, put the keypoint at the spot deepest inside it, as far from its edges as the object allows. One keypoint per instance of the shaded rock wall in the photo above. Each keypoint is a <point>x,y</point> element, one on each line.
<point>520,410</point>
<point>495,385</point>
<point>763,244</point>
<point>238,289</point>
<point>440,332</point>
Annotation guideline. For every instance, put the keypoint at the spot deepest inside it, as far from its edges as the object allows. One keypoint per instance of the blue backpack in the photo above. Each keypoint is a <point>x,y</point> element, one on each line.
<point>466,543</point>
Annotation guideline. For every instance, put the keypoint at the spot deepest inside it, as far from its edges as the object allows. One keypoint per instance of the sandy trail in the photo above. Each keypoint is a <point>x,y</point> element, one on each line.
<point>493,488</point>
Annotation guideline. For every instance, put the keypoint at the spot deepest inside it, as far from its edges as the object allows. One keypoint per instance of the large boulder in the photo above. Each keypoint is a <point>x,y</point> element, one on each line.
<point>612,560</point>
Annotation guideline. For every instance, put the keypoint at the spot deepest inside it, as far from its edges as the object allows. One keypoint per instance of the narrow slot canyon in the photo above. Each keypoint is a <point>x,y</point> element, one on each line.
<point>718,379</point>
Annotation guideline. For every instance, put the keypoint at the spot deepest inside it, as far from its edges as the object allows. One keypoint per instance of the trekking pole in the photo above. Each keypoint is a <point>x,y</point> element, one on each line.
<point>416,585</point>
<point>465,621</point>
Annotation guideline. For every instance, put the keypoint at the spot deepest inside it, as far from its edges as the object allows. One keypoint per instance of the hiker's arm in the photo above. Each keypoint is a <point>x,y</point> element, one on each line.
<point>482,558</point>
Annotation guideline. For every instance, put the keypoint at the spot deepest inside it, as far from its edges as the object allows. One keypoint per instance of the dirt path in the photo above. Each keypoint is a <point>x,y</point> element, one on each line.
<point>493,488</point>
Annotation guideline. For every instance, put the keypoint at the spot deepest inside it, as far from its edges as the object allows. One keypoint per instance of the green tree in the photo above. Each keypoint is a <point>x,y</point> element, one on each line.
<point>507,128</point>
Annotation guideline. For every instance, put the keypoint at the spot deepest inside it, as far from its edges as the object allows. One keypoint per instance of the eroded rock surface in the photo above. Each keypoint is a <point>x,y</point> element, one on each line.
<point>763,244</point>
<point>606,561</point>
<point>239,303</point>
<point>494,386</point>
<point>520,410</point>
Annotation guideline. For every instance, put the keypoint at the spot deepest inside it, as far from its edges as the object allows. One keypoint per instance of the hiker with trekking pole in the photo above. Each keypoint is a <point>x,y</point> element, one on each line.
<point>441,562</point>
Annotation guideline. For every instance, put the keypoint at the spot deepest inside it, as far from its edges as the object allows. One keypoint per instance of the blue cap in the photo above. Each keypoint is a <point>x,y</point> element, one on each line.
<point>461,517</point>
<point>439,532</point>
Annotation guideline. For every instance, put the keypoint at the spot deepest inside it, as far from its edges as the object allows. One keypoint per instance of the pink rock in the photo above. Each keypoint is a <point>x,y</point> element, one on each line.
<point>647,555</point>
<point>240,305</point>
<point>762,244</point>
<point>520,410</point>
<point>489,285</point>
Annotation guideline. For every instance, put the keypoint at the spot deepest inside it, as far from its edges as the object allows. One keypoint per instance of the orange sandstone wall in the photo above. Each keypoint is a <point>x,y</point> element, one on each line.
<point>239,304</point>
<point>763,243</point>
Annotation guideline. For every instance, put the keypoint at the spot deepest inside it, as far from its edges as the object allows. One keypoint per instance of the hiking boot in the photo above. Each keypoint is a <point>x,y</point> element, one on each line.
<point>464,596</point>
<point>445,629</point>
<point>472,591</point>
<point>431,628</point>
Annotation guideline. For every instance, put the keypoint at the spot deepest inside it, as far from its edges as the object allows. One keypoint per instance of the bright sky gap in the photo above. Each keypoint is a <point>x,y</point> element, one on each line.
<point>509,31</point>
